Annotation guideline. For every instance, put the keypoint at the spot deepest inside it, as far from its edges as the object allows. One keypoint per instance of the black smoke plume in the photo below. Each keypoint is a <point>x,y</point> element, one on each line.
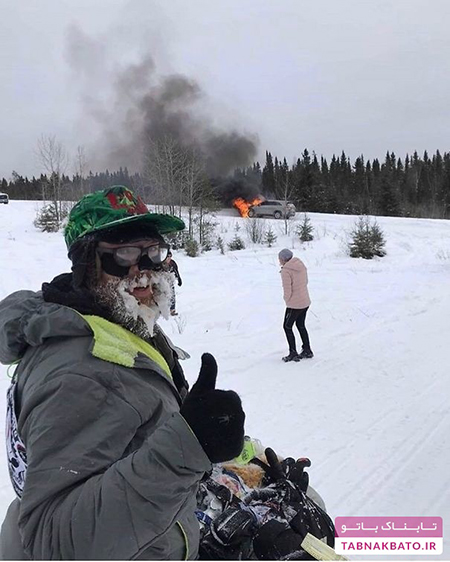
<point>229,189</point>
<point>139,105</point>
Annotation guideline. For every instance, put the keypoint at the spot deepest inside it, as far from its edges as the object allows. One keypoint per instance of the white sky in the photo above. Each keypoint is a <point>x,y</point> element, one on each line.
<point>363,76</point>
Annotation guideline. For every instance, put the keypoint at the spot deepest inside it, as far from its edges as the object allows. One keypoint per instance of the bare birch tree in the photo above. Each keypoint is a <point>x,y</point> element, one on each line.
<point>177,177</point>
<point>54,160</point>
<point>287,194</point>
<point>80,167</point>
<point>194,187</point>
<point>164,168</point>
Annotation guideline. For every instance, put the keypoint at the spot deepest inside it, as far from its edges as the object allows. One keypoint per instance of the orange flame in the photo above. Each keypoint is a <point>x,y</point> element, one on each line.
<point>243,206</point>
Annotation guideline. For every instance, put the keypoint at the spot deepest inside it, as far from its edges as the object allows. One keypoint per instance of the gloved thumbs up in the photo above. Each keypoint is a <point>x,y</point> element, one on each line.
<point>207,376</point>
<point>215,416</point>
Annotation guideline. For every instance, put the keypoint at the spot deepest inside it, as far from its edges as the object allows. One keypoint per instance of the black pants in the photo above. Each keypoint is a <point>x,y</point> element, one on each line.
<point>298,316</point>
<point>173,297</point>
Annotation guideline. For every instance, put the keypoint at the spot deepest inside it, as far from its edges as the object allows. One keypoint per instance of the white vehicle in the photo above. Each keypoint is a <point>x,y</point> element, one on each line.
<point>4,198</point>
<point>273,208</point>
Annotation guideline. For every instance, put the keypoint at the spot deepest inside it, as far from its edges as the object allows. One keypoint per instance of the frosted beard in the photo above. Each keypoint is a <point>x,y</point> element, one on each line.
<point>127,311</point>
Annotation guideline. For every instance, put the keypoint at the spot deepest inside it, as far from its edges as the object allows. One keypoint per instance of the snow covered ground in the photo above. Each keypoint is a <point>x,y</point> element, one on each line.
<point>371,409</point>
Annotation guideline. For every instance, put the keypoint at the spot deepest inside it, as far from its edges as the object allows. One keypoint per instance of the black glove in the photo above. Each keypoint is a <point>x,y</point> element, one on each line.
<point>275,540</point>
<point>287,469</point>
<point>215,416</point>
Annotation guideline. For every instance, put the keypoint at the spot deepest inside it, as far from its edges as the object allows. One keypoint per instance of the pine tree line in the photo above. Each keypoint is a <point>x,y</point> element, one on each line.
<point>415,187</point>
<point>22,188</point>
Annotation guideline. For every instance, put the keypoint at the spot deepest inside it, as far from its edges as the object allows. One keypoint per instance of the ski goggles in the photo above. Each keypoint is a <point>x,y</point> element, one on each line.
<point>117,261</point>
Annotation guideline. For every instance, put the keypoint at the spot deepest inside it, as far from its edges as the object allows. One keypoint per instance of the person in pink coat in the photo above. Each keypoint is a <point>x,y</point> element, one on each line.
<point>295,293</point>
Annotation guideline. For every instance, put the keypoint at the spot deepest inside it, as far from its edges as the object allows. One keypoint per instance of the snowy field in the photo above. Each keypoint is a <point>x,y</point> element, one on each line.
<point>371,409</point>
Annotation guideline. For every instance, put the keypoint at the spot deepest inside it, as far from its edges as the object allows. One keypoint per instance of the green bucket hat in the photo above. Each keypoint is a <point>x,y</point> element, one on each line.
<point>111,207</point>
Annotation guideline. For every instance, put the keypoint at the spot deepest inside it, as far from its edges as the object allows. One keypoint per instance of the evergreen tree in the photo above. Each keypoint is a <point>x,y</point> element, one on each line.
<point>389,204</point>
<point>236,243</point>
<point>305,230</point>
<point>424,185</point>
<point>445,189</point>
<point>367,240</point>
<point>270,237</point>
<point>304,181</point>
<point>268,176</point>
<point>359,188</point>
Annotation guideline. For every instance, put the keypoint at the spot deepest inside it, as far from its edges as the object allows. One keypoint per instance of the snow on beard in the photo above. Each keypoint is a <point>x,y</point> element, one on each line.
<point>127,311</point>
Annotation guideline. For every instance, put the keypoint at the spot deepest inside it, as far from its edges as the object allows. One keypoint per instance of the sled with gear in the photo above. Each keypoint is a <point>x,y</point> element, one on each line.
<point>259,507</point>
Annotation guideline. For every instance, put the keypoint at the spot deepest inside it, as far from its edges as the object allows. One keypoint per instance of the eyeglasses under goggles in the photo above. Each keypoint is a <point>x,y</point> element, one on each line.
<point>117,261</point>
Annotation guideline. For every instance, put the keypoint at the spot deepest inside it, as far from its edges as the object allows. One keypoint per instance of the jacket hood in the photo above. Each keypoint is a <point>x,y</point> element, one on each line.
<point>295,264</point>
<point>27,320</point>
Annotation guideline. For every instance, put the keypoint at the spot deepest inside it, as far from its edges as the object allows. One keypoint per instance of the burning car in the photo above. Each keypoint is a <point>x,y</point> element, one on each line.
<point>260,207</point>
<point>272,208</point>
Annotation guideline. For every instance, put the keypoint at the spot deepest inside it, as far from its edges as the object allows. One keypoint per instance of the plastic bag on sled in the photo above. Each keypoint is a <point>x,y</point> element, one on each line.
<point>261,511</point>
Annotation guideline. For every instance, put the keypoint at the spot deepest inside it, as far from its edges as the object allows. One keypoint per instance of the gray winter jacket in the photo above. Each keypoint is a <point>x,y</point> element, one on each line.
<point>113,468</point>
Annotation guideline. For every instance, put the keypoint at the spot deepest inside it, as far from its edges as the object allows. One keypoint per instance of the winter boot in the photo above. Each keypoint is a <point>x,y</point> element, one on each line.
<point>293,356</point>
<point>306,354</point>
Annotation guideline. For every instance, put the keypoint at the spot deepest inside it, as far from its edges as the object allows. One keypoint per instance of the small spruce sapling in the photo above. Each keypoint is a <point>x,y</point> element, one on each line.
<point>270,237</point>
<point>366,240</point>
<point>305,229</point>
<point>236,244</point>
<point>220,245</point>
<point>191,247</point>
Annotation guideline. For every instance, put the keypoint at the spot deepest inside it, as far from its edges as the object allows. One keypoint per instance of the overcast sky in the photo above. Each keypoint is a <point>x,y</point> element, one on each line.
<point>360,76</point>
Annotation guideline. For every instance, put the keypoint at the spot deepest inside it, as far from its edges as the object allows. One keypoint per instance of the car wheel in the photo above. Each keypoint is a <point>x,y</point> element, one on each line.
<point>251,213</point>
<point>277,215</point>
